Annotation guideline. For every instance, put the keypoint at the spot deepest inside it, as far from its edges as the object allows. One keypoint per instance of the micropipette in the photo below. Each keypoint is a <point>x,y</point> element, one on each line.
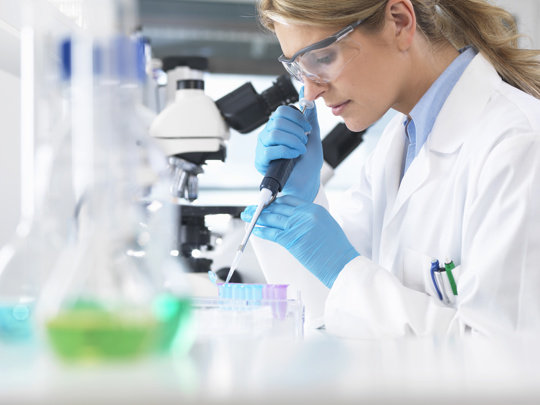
<point>276,176</point>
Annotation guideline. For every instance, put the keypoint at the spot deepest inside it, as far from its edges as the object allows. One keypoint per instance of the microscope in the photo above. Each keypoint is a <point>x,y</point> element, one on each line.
<point>193,129</point>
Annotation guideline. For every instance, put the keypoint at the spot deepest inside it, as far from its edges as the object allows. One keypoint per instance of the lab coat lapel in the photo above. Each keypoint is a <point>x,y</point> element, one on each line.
<point>415,176</point>
<point>392,172</point>
<point>398,190</point>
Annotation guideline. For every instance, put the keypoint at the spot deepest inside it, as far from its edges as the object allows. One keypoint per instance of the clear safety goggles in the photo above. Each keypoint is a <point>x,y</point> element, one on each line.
<point>323,61</point>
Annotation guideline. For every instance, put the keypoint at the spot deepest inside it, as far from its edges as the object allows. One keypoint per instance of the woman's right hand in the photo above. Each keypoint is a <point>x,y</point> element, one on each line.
<point>287,135</point>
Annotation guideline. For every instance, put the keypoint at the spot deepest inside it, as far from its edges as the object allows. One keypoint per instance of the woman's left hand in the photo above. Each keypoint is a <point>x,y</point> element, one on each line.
<point>308,232</point>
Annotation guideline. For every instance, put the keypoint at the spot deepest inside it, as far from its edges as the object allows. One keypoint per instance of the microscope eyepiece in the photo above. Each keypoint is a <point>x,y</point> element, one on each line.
<point>282,92</point>
<point>245,110</point>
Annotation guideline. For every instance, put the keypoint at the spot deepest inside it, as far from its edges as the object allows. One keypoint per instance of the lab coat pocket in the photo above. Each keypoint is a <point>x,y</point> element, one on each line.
<point>416,272</point>
<point>417,275</point>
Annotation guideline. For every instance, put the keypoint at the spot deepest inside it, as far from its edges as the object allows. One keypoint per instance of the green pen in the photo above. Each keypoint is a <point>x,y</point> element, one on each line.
<point>449,266</point>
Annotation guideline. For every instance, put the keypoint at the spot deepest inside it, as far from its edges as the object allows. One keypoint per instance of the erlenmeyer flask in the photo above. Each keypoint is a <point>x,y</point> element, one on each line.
<point>116,293</point>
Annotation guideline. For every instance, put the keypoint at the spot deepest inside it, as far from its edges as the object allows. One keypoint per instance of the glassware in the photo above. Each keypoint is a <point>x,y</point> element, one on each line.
<point>115,292</point>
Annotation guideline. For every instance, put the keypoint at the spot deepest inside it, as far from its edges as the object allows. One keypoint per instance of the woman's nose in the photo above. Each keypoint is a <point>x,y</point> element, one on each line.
<point>313,90</point>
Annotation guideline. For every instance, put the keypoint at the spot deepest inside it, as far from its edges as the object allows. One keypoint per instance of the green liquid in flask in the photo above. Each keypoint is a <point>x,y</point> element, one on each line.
<point>15,323</point>
<point>78,334</point>
<point>86,331</point>
<point>175,328</point>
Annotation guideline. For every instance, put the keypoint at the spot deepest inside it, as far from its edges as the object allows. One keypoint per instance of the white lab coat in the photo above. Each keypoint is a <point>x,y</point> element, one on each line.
<point>472,194</point>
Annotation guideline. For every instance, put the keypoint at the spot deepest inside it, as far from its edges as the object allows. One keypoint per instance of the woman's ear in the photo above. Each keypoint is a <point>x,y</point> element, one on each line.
<point>400,13</point>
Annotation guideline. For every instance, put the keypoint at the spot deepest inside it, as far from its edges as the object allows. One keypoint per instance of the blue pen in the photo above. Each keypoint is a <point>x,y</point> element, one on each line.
<point>434,268</point>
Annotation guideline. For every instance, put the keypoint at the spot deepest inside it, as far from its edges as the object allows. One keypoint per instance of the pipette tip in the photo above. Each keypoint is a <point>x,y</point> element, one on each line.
<point>233,265</point>
<point>305,104</point>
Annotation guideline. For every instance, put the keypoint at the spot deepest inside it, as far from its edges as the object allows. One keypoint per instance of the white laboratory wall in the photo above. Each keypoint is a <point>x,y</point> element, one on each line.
<point>527,15</point>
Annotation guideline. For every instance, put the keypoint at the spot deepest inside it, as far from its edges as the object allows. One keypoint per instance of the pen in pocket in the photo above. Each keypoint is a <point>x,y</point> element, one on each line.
<point>434,269</point>
<point>438,279</point>
<point>449,266</point>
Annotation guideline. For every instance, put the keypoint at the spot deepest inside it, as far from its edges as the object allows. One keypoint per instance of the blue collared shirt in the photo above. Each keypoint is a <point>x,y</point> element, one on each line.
<point>425,112</point>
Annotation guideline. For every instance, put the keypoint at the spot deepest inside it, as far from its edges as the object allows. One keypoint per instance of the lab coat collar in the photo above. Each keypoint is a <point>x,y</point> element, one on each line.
<point>465,103</point>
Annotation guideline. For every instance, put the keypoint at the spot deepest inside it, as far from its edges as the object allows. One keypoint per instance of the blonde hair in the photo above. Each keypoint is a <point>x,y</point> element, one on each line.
<point>488,28</point>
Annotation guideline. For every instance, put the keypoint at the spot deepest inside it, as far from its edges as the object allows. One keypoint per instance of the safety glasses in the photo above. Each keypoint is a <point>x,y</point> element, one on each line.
<point>323,61</point>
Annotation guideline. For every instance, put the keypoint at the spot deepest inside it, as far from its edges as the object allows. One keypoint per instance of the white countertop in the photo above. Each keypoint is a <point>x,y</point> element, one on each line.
<point>318,369</point>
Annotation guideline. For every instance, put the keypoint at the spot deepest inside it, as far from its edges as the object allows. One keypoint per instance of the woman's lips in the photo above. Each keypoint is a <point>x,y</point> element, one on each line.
<point>338,109</point>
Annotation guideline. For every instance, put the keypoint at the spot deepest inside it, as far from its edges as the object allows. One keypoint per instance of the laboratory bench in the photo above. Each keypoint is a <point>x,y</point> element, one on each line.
<point>316,369</point>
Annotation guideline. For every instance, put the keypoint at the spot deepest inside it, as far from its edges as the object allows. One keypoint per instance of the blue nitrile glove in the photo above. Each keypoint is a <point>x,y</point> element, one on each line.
<point>308,232</point>
<point>284,137</point>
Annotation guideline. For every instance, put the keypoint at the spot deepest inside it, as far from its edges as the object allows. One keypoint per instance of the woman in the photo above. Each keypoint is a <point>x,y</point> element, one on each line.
<point>455,176</point>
